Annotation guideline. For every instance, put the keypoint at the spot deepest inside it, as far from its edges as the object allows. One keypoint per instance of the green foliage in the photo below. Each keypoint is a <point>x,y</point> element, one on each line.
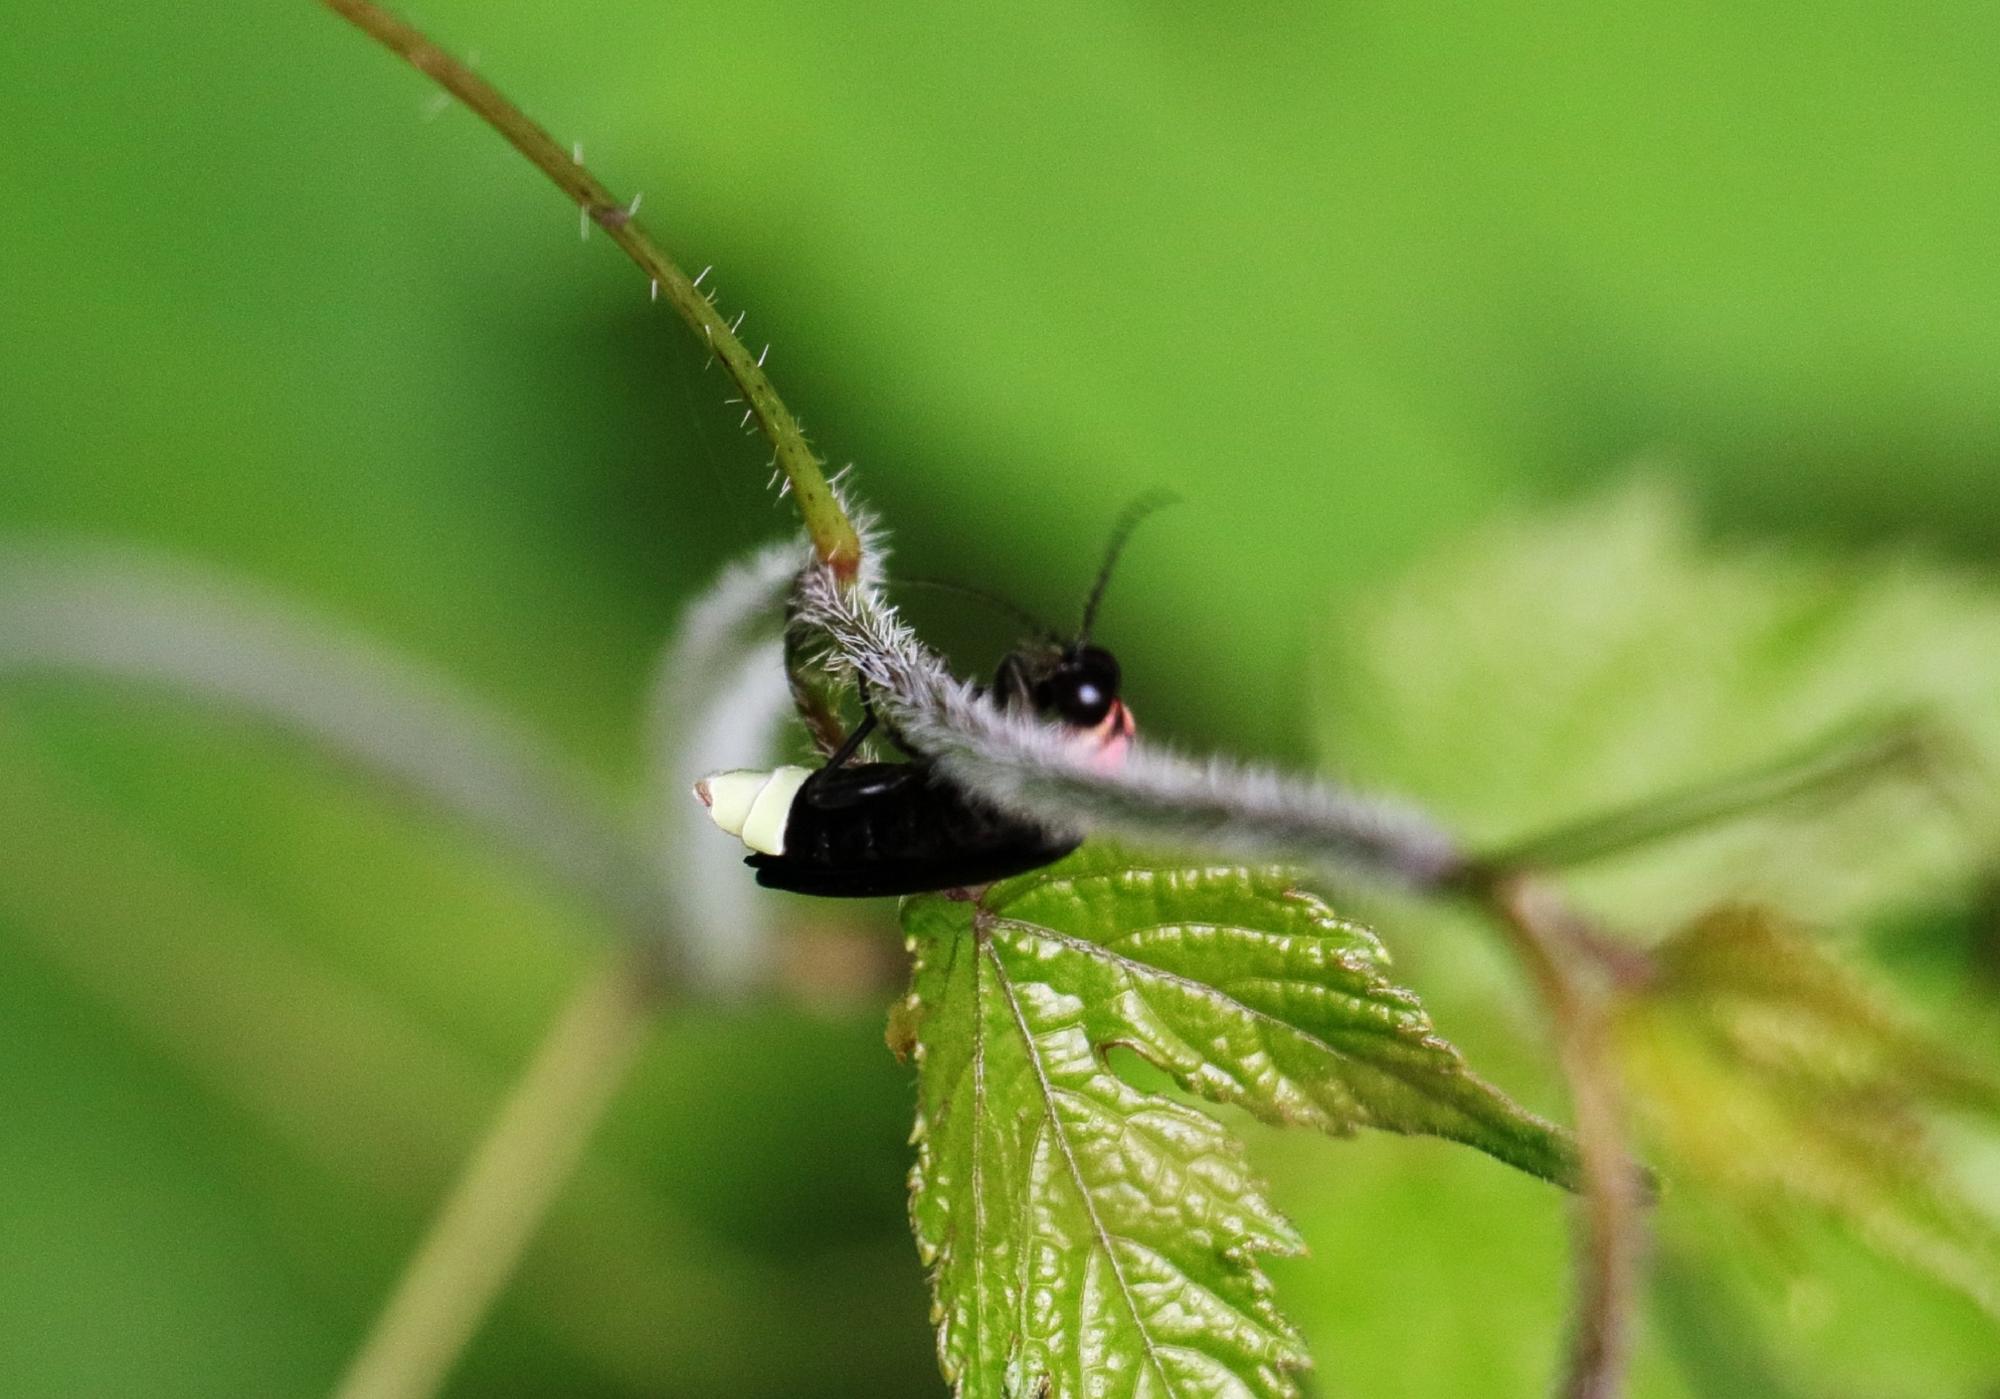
<point>1077,1224</point>
<point>1775,1078</point>
<point>1539,671</point>
<point>266,313</point>
<point>1579,662</point>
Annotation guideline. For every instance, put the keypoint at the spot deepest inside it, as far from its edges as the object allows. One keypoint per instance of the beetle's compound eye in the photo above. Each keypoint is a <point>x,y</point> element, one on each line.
<point>1082,689</point>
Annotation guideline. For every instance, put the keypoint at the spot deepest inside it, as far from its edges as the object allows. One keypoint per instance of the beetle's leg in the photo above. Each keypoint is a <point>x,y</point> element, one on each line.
<point>844,786</point>
<point>1011,686</point>
<point>853,743</point>
<point>869,721</point>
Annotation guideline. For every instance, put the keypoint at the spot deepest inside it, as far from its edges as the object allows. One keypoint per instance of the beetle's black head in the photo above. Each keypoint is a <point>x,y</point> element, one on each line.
<point>1076,684</point>
<point>1073,682</point>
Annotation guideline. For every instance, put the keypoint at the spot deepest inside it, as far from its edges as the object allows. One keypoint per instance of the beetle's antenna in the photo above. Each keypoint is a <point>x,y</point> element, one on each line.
<point>1120,533</point>
<point>1011,608</point>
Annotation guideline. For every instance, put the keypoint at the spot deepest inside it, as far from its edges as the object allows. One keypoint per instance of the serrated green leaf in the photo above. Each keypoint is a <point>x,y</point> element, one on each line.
<point>1095,1239</point>
<point>1084,1237</point>
<point>1250,991</point>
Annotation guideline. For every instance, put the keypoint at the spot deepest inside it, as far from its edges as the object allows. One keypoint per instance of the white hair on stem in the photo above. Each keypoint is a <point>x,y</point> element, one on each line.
<point>1030,769</point>
<point>719,697</point>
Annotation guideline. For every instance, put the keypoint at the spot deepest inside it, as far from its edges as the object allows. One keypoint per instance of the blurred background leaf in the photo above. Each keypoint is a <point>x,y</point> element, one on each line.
<point>1540,671</point>
<point>1349,279</point>
<point>1775,1080</point>
<point>1581,660</point>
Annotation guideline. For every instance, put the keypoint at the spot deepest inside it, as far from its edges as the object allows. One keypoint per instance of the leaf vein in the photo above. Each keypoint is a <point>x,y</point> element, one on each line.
<point>1061,1139</point>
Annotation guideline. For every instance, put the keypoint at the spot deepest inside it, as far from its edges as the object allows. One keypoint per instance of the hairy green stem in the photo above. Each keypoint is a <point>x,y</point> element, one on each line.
<point>833,534</point>
<point>474,1244</point>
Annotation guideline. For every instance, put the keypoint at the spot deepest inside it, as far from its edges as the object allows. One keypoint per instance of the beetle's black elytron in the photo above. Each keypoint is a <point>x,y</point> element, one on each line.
<point>861,829</point>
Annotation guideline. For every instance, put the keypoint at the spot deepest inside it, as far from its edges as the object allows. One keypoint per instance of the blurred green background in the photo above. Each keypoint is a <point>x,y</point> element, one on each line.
<point>1348,278</point>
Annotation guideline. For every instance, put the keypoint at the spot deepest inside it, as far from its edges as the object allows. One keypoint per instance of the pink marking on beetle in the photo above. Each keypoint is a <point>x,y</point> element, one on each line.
<point>1106,744</point>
